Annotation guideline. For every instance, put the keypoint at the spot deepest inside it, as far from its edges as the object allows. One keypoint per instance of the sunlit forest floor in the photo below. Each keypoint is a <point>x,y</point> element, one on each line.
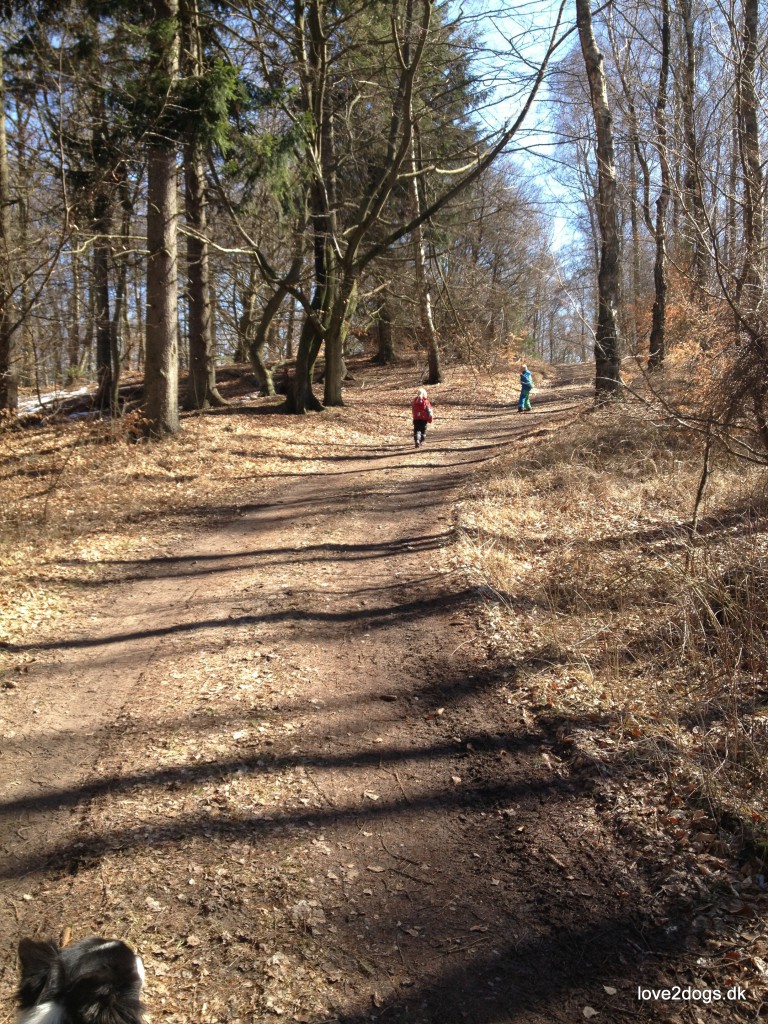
<point>330,729</point>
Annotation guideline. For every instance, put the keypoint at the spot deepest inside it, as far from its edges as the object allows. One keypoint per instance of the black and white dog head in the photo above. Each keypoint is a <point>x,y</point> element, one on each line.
<point>96,981</point>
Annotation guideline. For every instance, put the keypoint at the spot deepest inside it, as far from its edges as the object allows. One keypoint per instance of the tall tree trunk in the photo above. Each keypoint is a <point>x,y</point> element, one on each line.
<point>311,51</point>
<point>340,291</point>
<point>335,369</point>
<point>693,201</point>
<point>301,398</point>
<point>750,290</point>
<point>202,392</point>
<point>102,251</point>
<point>657,344</point>
<point>386,349</point>
<point>423,292</point>
<point>161,382</point>
<point>288,351</point>
<point>73,342</point>
<point>730,244</point>
<point>634,340</point>
<point>107,369</point>
<point>246,322</point>
<point>117,332</point>
<point>9,381</point>
<point>140,314</point>
<point>658,229</point>
<point>751,285</point>
<point>607,336</point>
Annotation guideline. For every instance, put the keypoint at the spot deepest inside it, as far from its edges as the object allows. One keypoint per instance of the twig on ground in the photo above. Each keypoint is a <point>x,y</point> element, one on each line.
<point>413,878</point>
<point>398,856</point>
<point>463,949</point>
<point>328,800</point>
<point>405,795</point>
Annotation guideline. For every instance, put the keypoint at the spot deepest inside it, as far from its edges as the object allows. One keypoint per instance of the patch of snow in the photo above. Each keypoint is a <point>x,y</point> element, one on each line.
<point>50,398</point>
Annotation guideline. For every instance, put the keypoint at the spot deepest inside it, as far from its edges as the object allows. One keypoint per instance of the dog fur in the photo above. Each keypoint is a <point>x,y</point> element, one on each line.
<point>95,981</point>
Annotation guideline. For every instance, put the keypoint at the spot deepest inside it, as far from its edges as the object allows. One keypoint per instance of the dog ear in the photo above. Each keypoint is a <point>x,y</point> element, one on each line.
<point>102,982</point>
<point>40,970</point>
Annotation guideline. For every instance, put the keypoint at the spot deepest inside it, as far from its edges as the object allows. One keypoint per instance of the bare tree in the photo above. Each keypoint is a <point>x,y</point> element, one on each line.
<point>161,396</point>
<point>377,117</point>
<point>692,197</point>
<point>8,358</point>
<point>202,392</point>
<point>423,291</point>
<point>657,342</point>
<point>607,339</point>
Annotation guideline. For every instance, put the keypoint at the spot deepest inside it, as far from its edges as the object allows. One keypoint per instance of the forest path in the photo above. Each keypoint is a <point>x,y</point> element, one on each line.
<point>303,696</point>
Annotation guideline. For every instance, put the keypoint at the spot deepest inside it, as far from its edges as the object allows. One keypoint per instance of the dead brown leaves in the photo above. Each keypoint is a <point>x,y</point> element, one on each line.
<point>580,543</point>
<point>80,498</point>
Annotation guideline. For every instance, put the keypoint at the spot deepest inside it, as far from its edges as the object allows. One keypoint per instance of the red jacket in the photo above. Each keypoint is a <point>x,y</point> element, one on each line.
<point>422,410</point>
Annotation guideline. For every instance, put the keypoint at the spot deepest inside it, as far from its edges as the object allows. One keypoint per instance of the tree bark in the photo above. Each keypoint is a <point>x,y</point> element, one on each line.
<point>339,283</point>
<point>336,369</point>
<point>634,340</point>
<point>693,201</point>
<point>424,298</point>
<point>161,381</point>
<point>607,336</point>
<point>202,392</point>
<point>751,285</point>
<point>259,340</point>
<point>102,251</point>
<point>246,322</point>
<point>657,343</point>
<point>386,349</point>
<point>9,381</point>
<point>288,351</point>
<point>311,49</point>
<point>119,334</point>
<point>730,242</point>
<point>301,398</point>
<point>73,347</point>
<point>750,290</point>
<point>423,292</point>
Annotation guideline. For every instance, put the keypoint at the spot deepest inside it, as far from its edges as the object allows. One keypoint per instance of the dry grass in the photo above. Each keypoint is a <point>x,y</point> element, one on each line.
<point>648,650</point>
<point>642,652</point>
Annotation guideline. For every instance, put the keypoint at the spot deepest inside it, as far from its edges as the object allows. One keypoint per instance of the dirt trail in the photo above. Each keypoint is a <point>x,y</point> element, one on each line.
<point>456,875</point>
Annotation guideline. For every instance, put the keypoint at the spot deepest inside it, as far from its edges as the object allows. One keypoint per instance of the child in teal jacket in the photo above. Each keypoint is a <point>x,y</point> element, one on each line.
<point>526,386</point>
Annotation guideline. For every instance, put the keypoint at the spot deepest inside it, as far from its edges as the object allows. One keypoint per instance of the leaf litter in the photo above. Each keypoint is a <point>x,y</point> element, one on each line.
<point>186,844</point>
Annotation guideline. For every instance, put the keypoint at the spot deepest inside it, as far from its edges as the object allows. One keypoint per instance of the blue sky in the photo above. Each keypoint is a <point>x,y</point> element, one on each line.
<point>516,38</point>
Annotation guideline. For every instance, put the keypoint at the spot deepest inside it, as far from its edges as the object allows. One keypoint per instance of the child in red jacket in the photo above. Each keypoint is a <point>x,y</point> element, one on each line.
<point>422,415</point>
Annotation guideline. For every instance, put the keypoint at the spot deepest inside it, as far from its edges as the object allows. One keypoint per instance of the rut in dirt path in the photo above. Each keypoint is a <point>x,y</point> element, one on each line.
<point>437,834</point>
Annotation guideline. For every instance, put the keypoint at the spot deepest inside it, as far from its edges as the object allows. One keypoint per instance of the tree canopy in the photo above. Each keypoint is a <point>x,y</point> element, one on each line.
<point>352,169</point>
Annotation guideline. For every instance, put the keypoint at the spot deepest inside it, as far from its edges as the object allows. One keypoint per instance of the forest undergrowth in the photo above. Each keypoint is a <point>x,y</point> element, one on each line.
<point>637,627</point>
